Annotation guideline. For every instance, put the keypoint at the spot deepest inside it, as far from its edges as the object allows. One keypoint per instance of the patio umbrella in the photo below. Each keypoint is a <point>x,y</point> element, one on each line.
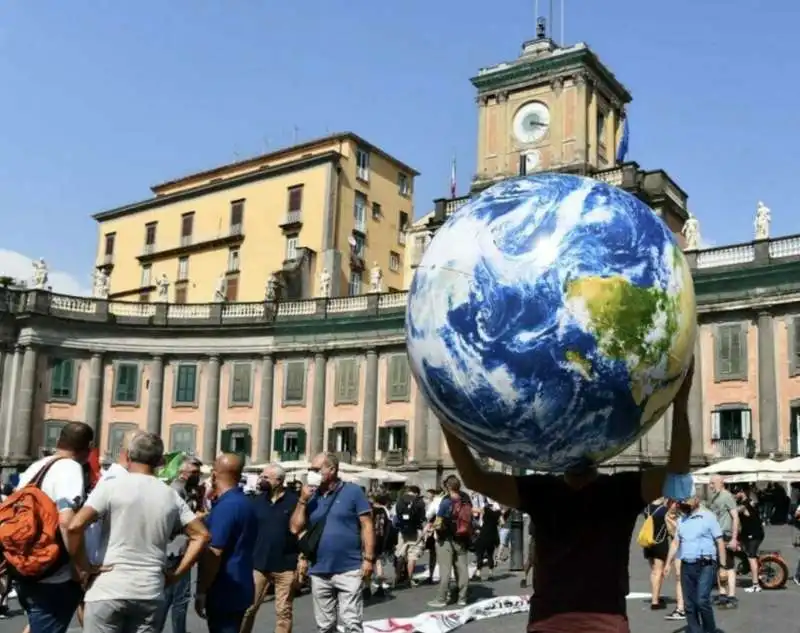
<point>734,465</point>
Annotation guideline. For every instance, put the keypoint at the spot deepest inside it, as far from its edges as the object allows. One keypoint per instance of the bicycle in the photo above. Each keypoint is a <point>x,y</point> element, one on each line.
<point>773,570</point>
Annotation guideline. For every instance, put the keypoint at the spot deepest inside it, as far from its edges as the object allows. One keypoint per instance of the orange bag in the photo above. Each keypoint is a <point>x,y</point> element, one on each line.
<point>30,538</point>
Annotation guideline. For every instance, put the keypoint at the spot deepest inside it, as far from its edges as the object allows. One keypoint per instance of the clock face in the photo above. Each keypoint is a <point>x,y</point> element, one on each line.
<point>531,122</point>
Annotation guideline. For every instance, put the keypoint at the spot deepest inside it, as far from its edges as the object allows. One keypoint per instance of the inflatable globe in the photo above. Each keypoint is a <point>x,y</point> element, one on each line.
<point>551,321</point>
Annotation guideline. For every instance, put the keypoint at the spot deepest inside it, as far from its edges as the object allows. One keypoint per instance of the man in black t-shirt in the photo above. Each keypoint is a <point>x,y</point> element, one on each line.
<point>584,522</point>
<point>751,534</point>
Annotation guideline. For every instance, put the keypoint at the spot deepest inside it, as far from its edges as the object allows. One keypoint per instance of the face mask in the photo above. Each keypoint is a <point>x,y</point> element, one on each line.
<point>192,481</point>
<point>263,485</point>
<point>313,478</point>
<point>685,508</point>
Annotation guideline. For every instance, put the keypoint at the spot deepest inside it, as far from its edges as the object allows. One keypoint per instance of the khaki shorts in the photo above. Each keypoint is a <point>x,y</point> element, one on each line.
<point>410,546</point>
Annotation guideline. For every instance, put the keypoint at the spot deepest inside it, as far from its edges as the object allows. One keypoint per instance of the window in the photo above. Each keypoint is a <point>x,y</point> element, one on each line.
<point>183,268</point>
<point>183,437</point>
<point>240,385</point>
<point>180,294</point>
<point>346,381</point>
<point>126,383</point>
<point>403,184</point>
<point>358,245</point>
<point>394,261</point>
<point>794,346</point>
<point>354,285</point>
<point>342,440</point>
<point>150,237</point>
<point>294,382</point>
<point>186,385</point>
<point>732,423</point>
<point>116,437</point>
<point>360,213</point>
<point>237,217</point>
<point>237,440</point>
<point>187,226</point>
<point>292,242</point>
<point>63,380</point>
<point>377,212</point>
<point>398,389</point>
<point>232,288</point>
<point>601,130</point>
<point>52,431</point>
<point>290,443</point>
<point>402,221</point>
<point>731,352</point>
<point>294,202</point>
<point>146,273</point>
<point>362,165</point>
<point>109,248</point>
<point>392,438</point>
<point>233,260</point>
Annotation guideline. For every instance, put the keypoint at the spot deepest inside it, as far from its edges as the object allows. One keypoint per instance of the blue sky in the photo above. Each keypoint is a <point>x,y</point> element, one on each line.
<point>102,98</point>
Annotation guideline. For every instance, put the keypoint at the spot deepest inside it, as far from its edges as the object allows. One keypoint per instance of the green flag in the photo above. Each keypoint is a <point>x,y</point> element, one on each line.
<point>172,466</point>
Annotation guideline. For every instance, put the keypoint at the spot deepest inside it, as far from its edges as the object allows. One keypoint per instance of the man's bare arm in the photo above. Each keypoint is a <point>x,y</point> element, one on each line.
<point>198,539</point>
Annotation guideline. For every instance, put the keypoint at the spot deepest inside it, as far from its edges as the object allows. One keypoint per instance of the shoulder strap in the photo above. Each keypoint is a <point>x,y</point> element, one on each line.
<point>333,500</point>
<point>37,481</point>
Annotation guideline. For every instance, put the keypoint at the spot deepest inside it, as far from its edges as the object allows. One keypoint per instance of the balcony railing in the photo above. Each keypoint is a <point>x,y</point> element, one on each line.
<point>725,449</point>
<point>108,259</point>
<point>394,458</point>
<point>345,457</point>
<point>360,225</point>
<point>233,234</point>
<point>401,237</point>
<point>292,218</point>
<point>289,456</point>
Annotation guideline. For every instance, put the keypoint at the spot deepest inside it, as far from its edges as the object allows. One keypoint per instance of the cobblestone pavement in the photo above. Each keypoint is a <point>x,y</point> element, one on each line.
<point>766,612</point>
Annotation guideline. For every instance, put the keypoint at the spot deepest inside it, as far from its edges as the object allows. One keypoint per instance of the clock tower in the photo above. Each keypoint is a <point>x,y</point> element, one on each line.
<point>551,109</point>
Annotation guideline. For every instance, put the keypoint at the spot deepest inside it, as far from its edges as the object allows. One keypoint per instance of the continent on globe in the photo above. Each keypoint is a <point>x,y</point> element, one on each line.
<point>551,321</point>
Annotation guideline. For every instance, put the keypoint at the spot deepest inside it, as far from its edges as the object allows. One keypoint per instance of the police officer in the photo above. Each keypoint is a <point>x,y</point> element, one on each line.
<point>698,540</point>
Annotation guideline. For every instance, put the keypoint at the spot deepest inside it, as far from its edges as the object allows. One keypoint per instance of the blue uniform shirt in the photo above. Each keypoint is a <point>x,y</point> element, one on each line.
<point>340,546</point>
<point>697,536</point>
<point>234,528</point>
<point>276,547</point>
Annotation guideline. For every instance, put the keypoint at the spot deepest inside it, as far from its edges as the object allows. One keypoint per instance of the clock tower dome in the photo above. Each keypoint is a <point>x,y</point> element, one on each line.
<point>551,109</point>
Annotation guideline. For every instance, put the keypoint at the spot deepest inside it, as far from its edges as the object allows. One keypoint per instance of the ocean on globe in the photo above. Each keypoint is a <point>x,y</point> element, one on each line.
<point>551,321</point>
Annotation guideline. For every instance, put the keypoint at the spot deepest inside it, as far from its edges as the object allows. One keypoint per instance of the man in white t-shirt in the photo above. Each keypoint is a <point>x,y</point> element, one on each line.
<point>142,513</point>
<point>51,601</point>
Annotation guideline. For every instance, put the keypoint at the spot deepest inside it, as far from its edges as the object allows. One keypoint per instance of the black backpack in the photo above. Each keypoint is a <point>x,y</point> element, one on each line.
<point>410,514</point>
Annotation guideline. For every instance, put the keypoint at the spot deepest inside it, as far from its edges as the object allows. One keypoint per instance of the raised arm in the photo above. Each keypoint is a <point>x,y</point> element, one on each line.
<point>680,449</point>
<point>498,486</point>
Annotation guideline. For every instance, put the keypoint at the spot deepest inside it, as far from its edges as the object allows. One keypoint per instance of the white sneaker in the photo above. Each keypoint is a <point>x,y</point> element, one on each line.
<point>753,589</point>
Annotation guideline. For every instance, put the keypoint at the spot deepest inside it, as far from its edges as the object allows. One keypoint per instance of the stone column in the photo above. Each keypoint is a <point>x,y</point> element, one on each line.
<point>370,426</point>
<point>316,434</point>
<point>767,387</point>
<point>433,438</point>
<point>155,397</point>
<point>5,388</point>
<point>421,414</point>
<point>695,405</point>
<point>11,405</point>
<point>264,448</point>
<point>211,417</point>
<point>94,395</point>
<point>23,424</point>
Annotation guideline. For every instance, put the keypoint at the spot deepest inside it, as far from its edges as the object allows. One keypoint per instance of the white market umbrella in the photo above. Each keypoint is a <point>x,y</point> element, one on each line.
<point>734,465</point>
<point>790,465</point>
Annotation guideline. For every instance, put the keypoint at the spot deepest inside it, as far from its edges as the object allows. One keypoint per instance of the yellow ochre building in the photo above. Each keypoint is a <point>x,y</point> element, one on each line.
<point>337,204</point>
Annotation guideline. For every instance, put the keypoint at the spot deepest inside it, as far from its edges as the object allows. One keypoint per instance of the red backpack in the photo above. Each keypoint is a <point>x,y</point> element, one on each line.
<point>462,519</point>
<point>30,537</point>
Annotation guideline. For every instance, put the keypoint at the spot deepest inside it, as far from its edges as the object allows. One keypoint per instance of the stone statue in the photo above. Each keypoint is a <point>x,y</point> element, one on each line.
<point>763,218</point>
<point>40,274</point>
<point>162,284</point>
<point>101,284</point>
<point>375,278</point>
<point>325,283</point>
<point>691,233</point>
<point>273,286</point>
<point>219,290</point>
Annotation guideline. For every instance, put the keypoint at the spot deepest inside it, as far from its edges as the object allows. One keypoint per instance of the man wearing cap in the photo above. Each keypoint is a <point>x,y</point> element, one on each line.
<point>699,540</point>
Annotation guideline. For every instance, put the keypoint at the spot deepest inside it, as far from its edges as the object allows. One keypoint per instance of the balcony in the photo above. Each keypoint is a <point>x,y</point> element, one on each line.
<point>345,457</point>
<point>725,449</point>
<point>360,225</point>
<point>292,222</point>
<point>188,244</point>
<point>401,237</point>
<point>289,456</point>
<point>394,458</point>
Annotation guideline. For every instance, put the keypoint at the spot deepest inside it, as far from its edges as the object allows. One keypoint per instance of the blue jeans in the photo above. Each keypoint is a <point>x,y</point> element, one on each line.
<point>223,621</point>
<point>177,598</point>
<point>49,607</point>
<point>697,581</point>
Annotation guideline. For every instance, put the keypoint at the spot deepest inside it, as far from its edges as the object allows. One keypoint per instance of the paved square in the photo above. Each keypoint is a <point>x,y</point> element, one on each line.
<point>766,612</point>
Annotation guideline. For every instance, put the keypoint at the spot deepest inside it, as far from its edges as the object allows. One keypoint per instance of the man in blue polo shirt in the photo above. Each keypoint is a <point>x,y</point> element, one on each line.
<point>225,587</point>
<point>275,559</point>
<point>698,539</point>
<point>345,556</point>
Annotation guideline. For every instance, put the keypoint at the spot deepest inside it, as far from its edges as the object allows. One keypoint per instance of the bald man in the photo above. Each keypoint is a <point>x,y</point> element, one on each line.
<point>225,588</point>
<point>723,505</point>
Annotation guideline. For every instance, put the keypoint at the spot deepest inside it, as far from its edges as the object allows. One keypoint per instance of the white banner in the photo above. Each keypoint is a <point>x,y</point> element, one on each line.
<point>446,621</point>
